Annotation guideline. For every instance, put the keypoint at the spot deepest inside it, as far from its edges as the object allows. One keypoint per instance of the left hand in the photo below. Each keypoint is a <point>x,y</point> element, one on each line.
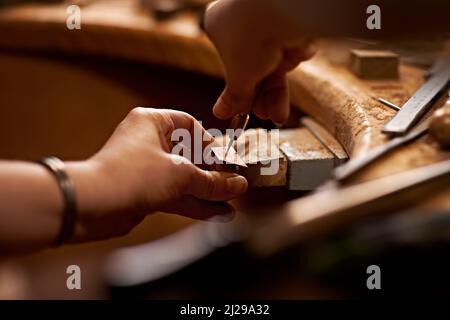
<point>135,174</point>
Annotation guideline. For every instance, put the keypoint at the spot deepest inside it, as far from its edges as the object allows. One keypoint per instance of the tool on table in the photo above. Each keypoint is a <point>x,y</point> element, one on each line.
<point>440,124</point>
<point>416,106</point>
<point>355,165</point>
<point>387,103</point>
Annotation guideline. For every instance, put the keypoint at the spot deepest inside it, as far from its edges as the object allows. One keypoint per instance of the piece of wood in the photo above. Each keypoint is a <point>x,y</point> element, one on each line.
<point>327,140</point>
<point>257,149</point>
<point>374,64</point>
<point>266,165</point>
<point>309,162</point>
<point>300,160</point>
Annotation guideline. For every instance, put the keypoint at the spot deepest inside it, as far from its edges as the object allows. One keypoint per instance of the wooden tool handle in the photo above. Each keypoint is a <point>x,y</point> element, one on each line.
<point>440,125</point>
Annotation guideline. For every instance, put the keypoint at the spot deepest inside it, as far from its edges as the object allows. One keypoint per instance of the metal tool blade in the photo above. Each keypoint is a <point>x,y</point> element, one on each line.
<point>416,106</point>
<point>238,125</point>
<point>355,165</point>
<point>240,120</point>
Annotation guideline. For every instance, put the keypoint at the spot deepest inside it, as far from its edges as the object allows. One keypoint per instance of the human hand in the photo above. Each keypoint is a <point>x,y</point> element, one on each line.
<point>257,48</point>
<point>135,174</point>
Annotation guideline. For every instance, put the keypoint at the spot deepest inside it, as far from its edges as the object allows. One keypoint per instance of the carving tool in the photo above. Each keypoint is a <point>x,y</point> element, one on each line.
<point>416,106</point>
<point>240,121</point>
<point>237,126</point>
<point>387,103</point>
<point>355,165</point>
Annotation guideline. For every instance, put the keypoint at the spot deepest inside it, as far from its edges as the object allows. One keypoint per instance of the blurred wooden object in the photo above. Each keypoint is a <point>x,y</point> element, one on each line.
<point>440,125</point>
<point>374,64</point>
<point>315,216</point>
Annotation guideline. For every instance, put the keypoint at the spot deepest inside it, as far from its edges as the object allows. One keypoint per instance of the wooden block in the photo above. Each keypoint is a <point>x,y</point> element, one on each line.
<point>374,64</point>
<point>327,140</point>
<point>300,160</point>
<point>309,162</point>
<point>265,164</point>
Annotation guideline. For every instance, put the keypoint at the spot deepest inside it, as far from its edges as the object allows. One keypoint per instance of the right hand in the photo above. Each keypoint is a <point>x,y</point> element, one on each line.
<point>257,49</point>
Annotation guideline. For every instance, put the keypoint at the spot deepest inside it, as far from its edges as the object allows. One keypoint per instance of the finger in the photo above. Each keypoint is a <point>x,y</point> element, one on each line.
<point>275,97</point>
<point>293,56</point>
<point>199,140</point>
<point>194,208</point>
<point>234,99</point>
<point>186,121</point>
<point>260,108</point>
<point>207,185</point>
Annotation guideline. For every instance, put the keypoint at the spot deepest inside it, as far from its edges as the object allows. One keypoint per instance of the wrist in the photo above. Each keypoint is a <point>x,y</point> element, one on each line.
<point>95,192</point>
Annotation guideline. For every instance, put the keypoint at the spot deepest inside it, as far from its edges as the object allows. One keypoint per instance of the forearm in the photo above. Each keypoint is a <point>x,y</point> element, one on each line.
<point>30,206</point>
<point>31,203</point>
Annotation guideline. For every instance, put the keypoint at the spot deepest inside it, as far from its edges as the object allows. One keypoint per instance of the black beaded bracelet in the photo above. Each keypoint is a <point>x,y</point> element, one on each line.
<point>57,168</point>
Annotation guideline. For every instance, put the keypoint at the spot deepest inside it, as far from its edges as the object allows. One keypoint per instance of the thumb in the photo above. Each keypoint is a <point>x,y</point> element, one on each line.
<point>209,185</point>
<point>234,99</point>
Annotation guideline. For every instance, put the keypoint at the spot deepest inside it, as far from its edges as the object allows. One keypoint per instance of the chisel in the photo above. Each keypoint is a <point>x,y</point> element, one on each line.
<point>355,165</point>
<point>240,121</point>
<point>419,103</point>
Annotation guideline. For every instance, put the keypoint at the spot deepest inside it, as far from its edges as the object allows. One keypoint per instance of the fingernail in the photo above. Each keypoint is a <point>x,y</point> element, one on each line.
<point>236,184</point>
<point>279,124</point>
